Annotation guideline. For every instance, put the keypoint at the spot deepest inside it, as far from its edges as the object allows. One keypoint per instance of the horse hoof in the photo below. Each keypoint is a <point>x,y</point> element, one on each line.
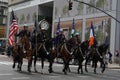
<point>81,72</point>
<point>36,71</point>
<point>95,72</point>
<point>13,66</point>
<point>86,70</point>
<point>50,71</point>
<point>19,69</point>
<point>41,72</point>
<point>102,71</point>
<point>29,70</point>
<point>65,73</point>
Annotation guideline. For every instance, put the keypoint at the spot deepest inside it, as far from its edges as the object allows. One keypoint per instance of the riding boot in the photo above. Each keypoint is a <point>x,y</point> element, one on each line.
<point>24,50</point>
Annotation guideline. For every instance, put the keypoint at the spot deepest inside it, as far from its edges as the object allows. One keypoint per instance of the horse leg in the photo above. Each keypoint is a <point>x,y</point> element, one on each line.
<point>65,66</point>
<point>87,59</point>
<point>95,66</point>
<point>80,67</point>
<point>13,63</point>
<point>35,60</point>
<point>42,64</point>
<point>29,64</point>
<point>103,65</point>
<point>20,65</point>
<point>50,65</point>
<point>69,68</point>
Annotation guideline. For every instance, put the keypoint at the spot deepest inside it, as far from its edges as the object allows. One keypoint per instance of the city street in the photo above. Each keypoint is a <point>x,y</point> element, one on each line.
<point>7,73</point>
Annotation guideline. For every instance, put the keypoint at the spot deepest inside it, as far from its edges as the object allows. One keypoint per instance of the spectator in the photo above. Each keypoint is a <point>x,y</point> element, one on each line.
<point>117,56</point>
<point>110,57</point>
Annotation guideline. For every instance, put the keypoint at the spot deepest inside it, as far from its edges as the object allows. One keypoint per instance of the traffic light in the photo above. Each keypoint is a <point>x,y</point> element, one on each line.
<point>70,5</point>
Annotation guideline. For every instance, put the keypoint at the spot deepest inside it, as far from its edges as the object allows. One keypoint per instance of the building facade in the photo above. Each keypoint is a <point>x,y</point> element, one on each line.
<point>27,10</point>
<point>3,17</point>
<point>3,21</point>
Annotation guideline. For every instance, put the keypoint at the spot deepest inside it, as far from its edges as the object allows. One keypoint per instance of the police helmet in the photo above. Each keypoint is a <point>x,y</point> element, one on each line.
<point>25,25</point>
<point>61,30</point>
<point>77,34</point>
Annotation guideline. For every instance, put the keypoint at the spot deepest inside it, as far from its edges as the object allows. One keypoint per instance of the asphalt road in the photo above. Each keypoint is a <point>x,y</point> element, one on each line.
<point>7,73</point>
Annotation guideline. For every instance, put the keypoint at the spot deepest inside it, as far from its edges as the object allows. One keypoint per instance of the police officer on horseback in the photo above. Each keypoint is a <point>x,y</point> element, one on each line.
<point>77,38</point>
<point>22,33</point>
<point>60,39</point>
<point>75,41</point>
<point>41,37</point>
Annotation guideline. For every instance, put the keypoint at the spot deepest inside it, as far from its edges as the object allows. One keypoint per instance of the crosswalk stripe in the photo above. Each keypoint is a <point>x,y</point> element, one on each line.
<point>39,63</point>
<point>21,78</point>
<point>6,74</point>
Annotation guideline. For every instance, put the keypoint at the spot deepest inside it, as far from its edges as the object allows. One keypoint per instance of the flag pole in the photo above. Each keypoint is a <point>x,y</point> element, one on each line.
<point>35,25</point>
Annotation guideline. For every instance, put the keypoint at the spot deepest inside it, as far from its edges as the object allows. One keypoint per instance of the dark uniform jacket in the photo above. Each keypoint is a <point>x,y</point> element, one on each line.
<point>60,39</point>
<point>24,33</point>
<point>41,37</point>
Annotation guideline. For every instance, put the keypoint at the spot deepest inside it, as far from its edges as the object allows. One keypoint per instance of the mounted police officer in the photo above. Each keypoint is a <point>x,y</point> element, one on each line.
<point>22,33</point>
<point>41,36</point>
<point>75,41</point>
<point>60,39</point>
<point>77,38</point>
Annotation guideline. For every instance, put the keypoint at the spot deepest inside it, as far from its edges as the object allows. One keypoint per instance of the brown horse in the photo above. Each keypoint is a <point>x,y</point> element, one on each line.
<point>64,53</point>
<point>25,51</point>
<point>52,55</point>
<point>16,55</point>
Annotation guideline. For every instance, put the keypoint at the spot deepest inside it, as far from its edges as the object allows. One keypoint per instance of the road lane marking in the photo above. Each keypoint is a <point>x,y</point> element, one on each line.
<point>21,78</point>
<point>39,63</point>
<point>6,63</point>
<point>5,74</point>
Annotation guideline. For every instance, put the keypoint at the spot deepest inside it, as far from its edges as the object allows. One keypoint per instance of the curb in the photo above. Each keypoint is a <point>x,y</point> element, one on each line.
<point>113,67</point>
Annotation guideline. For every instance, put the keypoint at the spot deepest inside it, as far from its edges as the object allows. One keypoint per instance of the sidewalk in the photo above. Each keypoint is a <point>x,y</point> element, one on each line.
<point>113,66</point>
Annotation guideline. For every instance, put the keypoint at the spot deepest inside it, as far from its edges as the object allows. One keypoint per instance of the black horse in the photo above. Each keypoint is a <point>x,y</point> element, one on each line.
<point>80,53</point>
<point>42,52</point>
<point>97,54</point>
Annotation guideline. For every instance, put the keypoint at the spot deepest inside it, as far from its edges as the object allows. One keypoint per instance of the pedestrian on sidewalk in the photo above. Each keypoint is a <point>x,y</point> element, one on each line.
<point>116,56</point>
<point>110,57</point>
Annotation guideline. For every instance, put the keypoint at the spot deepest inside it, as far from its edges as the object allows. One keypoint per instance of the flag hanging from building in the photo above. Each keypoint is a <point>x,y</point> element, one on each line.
<point>91,38</point>
<point>13,29</point>
<point>73,28</point>
<point>58,27</point>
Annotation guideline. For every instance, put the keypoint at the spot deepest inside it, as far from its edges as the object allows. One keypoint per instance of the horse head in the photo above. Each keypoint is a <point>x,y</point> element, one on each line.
<point>84,46</point>
<point>103,48</point>
<point>25,41</point>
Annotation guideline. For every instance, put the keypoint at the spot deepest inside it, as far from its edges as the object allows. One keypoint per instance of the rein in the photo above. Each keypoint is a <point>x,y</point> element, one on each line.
<point>99,53</point>
<point>81,52</point>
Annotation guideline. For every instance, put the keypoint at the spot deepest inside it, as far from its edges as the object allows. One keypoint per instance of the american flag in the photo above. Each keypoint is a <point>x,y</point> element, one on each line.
<point>13,29</point>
